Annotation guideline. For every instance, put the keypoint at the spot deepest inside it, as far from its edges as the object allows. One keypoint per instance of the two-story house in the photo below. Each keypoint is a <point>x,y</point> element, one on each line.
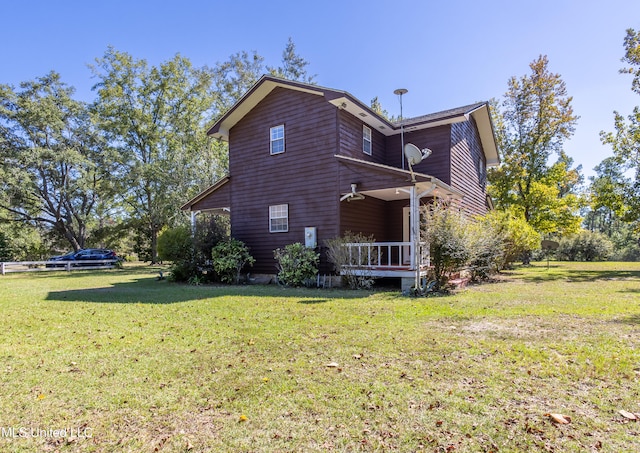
<point>308,163</point>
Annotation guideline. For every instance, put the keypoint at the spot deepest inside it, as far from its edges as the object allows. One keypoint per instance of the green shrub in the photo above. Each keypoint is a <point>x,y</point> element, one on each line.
<point>445,230</point>
<point>184,270</point>
<point>297,264</point>
<point>210,229</point>
<point>175,244</point>
<point>518,238</point>
<point>229,257</point>
<point>585,246</point>
<point>349,265</point>
<point>487,245</point>
<point>629,253</point>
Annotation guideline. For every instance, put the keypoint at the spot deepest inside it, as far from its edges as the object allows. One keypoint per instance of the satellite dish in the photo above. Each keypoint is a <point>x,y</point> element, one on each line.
<point>413,153</point>
<point>414,156</point>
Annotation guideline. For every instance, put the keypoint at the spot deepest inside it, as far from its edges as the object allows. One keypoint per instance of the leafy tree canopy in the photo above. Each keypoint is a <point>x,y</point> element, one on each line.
<point>155,117</point>
<point>55,163</point>
<point>532,123</point>
<point>625,141</point>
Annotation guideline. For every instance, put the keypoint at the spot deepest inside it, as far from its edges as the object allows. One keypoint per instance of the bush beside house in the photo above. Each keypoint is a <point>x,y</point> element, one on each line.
<point>297,264</point>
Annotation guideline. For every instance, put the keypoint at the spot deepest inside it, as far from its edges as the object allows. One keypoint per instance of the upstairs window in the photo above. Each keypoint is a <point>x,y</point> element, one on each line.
<point>279,218</point>
<point>277,139</point>
<point>366,140</point>
<point>482,170</point>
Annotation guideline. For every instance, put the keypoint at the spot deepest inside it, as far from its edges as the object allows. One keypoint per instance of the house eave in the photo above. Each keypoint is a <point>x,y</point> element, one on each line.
<point>206,192</point>
<point>482,117</point>
<point>345,101</point>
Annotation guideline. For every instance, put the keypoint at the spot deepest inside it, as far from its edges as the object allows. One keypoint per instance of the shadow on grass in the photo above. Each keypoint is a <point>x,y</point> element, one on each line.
<point>150,290</point>
<point>633,320</point>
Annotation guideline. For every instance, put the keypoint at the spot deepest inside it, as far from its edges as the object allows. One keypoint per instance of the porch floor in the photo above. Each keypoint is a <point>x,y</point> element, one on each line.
<point>388,271</point>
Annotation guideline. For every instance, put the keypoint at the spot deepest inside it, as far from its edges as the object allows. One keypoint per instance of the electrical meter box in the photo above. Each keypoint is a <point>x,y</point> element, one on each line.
<point>311,237</point>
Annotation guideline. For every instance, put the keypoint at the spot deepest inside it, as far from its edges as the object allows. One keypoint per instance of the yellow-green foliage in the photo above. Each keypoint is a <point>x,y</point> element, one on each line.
<point>518,237</point>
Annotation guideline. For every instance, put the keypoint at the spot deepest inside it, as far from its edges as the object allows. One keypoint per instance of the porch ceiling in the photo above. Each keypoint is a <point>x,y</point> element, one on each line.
<point>397,183</point>
<point>402,192</point>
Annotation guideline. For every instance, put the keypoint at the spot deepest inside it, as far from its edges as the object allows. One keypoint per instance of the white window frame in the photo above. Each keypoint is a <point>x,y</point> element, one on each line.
<point>279,212</point>
<point>276,135</point>
<point>367,140</point>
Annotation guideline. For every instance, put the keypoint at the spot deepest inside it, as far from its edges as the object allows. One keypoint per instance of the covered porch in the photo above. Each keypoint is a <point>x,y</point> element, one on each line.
<point>386,259</point>
<point>389,210</point>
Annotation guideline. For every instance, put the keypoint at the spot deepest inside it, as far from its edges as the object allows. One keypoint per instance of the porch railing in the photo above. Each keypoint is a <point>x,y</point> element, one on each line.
<point>391,255</point>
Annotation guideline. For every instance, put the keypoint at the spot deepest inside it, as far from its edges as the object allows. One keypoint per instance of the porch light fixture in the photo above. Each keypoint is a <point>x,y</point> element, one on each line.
<point>400,92</point>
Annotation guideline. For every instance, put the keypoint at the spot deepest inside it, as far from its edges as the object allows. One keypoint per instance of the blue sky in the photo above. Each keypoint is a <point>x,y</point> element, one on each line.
<point>447,54</point>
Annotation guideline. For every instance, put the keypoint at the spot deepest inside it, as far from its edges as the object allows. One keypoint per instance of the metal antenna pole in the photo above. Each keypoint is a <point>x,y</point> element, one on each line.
<point>400,92</point>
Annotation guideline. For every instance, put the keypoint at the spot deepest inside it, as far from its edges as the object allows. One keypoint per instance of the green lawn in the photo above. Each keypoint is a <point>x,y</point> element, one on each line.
<point>129,363</point>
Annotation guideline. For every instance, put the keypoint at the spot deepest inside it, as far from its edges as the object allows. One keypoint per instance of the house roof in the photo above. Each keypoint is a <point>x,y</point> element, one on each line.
<point>345,101</point>
<point>205,193</point>
<point>480,113</point>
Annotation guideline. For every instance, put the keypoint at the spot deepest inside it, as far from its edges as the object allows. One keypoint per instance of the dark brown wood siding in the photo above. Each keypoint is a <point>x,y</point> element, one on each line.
<point>366,216</point>
<point>350,139</point>
<point>303,177</point>
<point>468,172</point>
<point>437,139</point>
<point>395,212</point>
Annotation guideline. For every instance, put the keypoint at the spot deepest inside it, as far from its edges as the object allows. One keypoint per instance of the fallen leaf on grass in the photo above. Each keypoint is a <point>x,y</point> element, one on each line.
<point>242,418</point>
<point>629,415</point>
<point>332,365</point>
<point>559,418</point>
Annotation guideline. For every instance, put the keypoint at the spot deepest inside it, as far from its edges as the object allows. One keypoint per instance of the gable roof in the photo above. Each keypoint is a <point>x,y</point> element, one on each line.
<point>266,84</point>
<point>345,101</point>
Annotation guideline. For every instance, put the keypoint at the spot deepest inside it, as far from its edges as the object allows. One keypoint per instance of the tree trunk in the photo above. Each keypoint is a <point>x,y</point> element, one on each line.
<point>154,245</point>
<point>68,234</point>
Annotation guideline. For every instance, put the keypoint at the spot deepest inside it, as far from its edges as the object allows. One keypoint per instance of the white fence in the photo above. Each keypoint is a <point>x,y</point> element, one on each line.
<point>40,266</point>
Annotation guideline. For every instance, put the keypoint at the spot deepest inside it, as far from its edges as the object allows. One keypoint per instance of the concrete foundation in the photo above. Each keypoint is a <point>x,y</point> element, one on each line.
<point>406,283</point>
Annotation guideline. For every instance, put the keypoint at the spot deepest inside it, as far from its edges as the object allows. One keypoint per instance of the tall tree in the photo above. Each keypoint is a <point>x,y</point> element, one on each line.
<point>155,117</point>
<point>55,165</point>
<point>532,123</point>
<point>234,77</point>
<point>625,142</point>
<point>293,66</point>
<point>376,106</point>
<point>606,197</point>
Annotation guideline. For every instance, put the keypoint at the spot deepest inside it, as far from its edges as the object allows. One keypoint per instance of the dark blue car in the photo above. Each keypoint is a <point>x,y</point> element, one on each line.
<point>86,256</point>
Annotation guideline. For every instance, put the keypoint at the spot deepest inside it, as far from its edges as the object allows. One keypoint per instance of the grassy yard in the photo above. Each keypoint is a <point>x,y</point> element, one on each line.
<point>129,363</point>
